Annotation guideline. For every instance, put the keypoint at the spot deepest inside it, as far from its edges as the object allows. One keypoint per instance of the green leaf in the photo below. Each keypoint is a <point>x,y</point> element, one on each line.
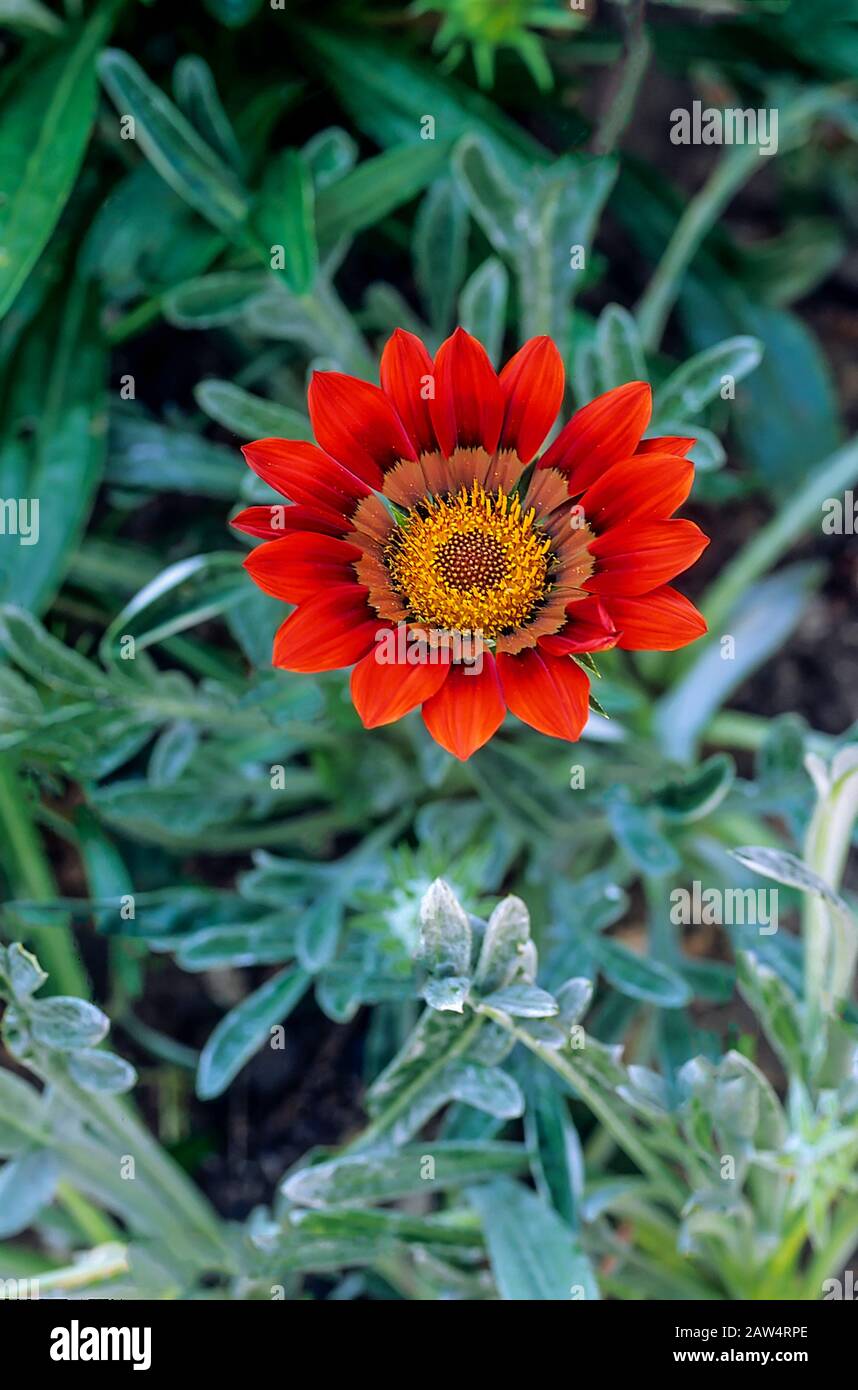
<point>787,868</point>
<point>440,251</point>
<point>698,792</point>
<point>171,144</point>
<point>173,751</point>
<point>482,305</point>
<point>619,349</point>
<point>555,1149</point>
<point>249,416</point>
<point>45,123</point>
<point>319,927</point>
<point>245,1029</point>
<point>29,14</point>
<point>488,1089</point>
<point>379,1177</point>
<point>68,452</point>
<point>448,994</point>
<point>649,980</point>
<point>495,201</point>
<point>534,1255</point>
<point>445,932</point>
<point>388,95</point>
<point>196,93</point>
<point>376,188</point>
<point>208,301</point>
<point>283,216</point>
<point>523,1001</point>
<point>23,1118</point>
<point>158,458</point>
<point>330,154</point>
<point>776,1008</point>
<point>27,1184</point>
<point>66,1023</point>
<point>699,380</point>
<point>785,416</point>
<point>507,933</point>
<point>25,973</point>
<point>638,832</point>
<point>267,942</point>
<point>101,1072</point>
<point>44,657</point>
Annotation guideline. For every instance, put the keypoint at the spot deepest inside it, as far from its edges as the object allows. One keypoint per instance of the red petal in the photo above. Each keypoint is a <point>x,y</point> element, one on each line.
<point>334,628</point>
<point>660,621</point>
<point>384,691</point>
<point>550,693</point>
<point>640,555</point>
<point>405,366</point>
<point>296,567</point>
<point>652,486</point>
<point>273,521</point>
<point>356,423</point>
<point>468,408</point>
<point>532,384</point>
<point>467,710</point>
<point>303,473</point>
<point>601,433</point>
<point>588,628</point>
<point>666,444</point>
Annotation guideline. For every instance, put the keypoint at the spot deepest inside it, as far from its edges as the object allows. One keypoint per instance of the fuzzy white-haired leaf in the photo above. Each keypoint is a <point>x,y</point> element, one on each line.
<point>445,932</point>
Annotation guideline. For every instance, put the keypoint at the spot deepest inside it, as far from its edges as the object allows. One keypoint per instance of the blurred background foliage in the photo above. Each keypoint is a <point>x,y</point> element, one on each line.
<point>211,848</point>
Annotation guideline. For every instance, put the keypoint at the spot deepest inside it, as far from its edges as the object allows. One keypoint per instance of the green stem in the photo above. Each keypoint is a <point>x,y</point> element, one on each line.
<point>32,878</point>
<point>93,1225</point>
<point>624,1134</point>
<point>830,938</point>
<point>622,93</point>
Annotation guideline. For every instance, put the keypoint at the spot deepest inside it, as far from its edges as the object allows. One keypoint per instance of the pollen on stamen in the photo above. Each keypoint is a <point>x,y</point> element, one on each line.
<point>470,562</point>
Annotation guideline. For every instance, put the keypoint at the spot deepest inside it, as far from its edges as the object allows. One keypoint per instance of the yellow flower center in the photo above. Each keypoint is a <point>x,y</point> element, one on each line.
<point>472,562</point>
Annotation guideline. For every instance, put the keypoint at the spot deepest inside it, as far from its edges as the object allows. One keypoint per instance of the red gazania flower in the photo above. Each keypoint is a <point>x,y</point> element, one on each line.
<point>422,549</point>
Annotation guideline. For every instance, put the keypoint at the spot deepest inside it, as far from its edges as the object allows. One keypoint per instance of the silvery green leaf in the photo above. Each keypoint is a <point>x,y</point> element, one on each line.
<point>482,305</point>
<point>27,1184</point>
<point>441,250</point>
<point>25,973</point>
<point>486,1088</point>
<point>776,1008</point>
<point>497,205</point>
<point>507,932</point>
<point>447,994</point>
<point>523,1001</point>
<point>646,1092</point>
<point>573,999</point>
<point>639,978</point>
<point>424,1050</point>
<point>534,1255</point>
<point>101,1071</point>
<point>619,348</point>
<point>23,1118</point>
<point>430,1166</point>
<point>445,937</point>
<point>67,1023</point>
<point>699,380</point>
<point>787,868</point>
<point>691,795</point>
